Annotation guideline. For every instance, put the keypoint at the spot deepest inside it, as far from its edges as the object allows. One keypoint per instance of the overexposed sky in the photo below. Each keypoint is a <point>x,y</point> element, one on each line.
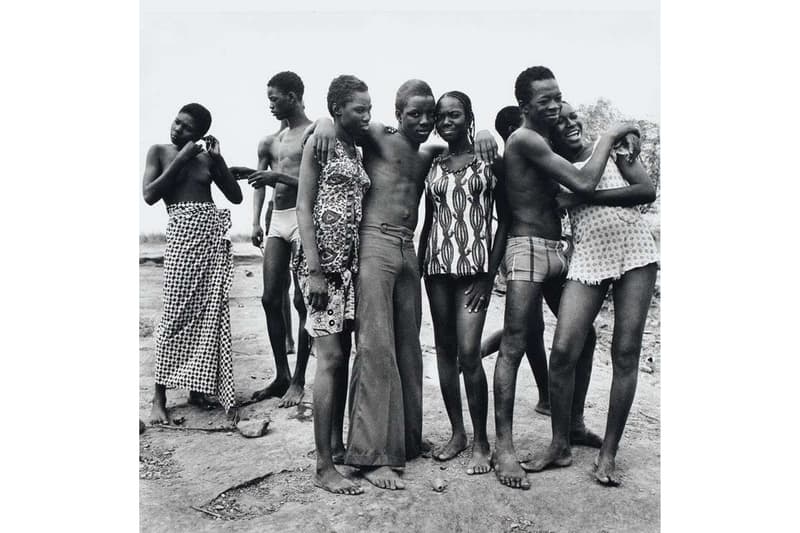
<point>222,54</point>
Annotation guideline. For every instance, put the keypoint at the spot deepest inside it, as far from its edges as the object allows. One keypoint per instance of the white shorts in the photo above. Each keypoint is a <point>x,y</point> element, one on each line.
<point>283,225</point>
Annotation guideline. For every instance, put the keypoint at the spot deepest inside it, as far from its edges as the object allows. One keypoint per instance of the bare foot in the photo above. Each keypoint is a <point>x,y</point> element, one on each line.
<point>542,408</point>
<point>293,395</point>
<point>384,477</point>
<point>605,471</point>
<point>480,463</point>
<point>233,415</point>
<point>201,400</point>
<point>159,414</point>
<point>508,471</point>
<point>581,436</point>
<point>456,444</point>
<point>331,480</point>
<point>552,456</point>
<point>276,389</point>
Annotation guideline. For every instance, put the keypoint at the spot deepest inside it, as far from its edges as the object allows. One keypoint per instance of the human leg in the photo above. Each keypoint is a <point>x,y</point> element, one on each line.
<point>537,356</point>
<point>287,319</point>
<point>520,296</point>
<point>275,272</point>
<point>579,306</point>
<point>294,394</point>
<point>159,414</point>
<point>440,295</point>
<point>580,435</point>
<point>340,397</point>
<point>469,327</point>
<point>376,434</point>
<point>491,344</point>
<point>407,324</point>
<point>330,360</point>
<point>632,294</point>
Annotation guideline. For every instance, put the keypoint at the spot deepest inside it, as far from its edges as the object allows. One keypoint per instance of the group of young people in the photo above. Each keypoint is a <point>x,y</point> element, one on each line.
<point>345,208</point>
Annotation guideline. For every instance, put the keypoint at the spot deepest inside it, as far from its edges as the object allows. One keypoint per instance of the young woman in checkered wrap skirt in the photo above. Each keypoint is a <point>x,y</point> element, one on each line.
<point>193,339</point>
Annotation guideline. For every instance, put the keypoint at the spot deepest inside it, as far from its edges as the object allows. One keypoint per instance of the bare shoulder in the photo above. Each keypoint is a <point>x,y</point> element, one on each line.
<point>527,143</point>
<point>266,143</point>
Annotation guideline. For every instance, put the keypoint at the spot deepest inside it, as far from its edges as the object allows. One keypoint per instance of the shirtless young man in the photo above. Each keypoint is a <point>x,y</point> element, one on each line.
<point>386,384</point>
<point>279,158</point>
<point>193,339</point>
<point>534,253</point>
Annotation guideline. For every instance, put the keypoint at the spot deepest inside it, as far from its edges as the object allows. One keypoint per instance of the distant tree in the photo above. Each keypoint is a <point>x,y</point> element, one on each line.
<point>598,117</point>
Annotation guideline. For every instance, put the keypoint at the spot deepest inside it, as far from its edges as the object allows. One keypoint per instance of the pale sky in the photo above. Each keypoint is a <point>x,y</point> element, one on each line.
<point>196,52</point>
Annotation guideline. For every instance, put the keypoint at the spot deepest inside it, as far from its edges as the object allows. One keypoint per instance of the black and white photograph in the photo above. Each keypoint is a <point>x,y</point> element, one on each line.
<point>399,268</point>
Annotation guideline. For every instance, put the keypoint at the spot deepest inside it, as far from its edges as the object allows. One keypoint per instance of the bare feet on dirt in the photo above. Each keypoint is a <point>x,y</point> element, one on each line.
<point>331,480</point>
<point>480,462</point>
<point>542,408</point>
<point>276,389</point>
<point>293,396</point>
<point>508,471</point>
<point>384,477</point>
<point>552,456</point>
<point>201,400</point>
<point>605,471</point>
<point>233,415</point>
<point>582,436</point>
<point>159,414</point>
<point>456,445</point>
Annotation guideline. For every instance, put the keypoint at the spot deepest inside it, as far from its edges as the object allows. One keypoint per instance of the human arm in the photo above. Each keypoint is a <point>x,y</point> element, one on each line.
<point>306,196</point>
<point>582,181</point>
<point>220,173</point>
<point>269,178</point>
<point>486,147</point>
<point>324,137</point>
<point>480,292</point>
<point>157,180</point>
<point>426,231</point>
<point>640,191</point>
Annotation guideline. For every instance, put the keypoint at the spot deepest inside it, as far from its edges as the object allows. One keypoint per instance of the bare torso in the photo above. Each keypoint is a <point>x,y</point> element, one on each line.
<point>286,152</point>
<point>194,181</point>
<point>397,171</point>
<point>531,195</point>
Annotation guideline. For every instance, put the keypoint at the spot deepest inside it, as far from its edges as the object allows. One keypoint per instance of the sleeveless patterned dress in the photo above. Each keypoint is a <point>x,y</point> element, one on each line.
<point>609,240</point>
<point>460,238</point>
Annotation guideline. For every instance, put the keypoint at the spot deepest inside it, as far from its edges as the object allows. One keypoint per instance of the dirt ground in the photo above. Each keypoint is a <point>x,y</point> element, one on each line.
<point>207,477</point>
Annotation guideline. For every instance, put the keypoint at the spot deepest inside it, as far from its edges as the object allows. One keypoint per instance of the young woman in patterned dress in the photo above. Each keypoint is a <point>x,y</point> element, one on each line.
<point>614,248</point>
<point>328,214</point>
<point>459,261</point>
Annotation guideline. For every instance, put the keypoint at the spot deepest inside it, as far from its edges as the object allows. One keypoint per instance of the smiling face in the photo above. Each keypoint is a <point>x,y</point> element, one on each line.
<point>354,115</point>
<point>545,104</point>
<point>184,129</point>
<point>568,131</point>
<point>281,104</point>
<point>416,119</point>
<point>451,119</point>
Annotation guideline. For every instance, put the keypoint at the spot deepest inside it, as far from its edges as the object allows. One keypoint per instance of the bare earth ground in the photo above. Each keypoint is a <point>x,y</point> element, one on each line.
<point>213,480</point>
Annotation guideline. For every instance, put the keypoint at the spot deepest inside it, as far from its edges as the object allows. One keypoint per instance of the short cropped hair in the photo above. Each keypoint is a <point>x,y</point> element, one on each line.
<point>466,103</point>
<point>410,89</point>
<point>507,118</point>
<point>523,91</point>
<point>201,116</point>
<point>342,88</point>
<point>287,82</point>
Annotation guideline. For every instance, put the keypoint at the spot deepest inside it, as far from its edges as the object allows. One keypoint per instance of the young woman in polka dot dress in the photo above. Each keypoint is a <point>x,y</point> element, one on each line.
<point>613,248</point>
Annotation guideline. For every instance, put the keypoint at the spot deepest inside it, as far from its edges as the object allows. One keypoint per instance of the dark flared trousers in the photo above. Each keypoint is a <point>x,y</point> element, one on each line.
<point>386,384</point>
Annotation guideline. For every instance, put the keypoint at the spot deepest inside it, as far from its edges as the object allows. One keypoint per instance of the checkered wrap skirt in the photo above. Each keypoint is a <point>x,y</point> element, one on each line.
<point>193,340</point>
